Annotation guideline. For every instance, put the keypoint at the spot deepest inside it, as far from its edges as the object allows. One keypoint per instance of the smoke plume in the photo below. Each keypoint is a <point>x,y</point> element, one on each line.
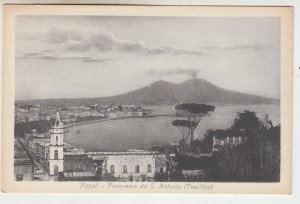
<point>175,71</point>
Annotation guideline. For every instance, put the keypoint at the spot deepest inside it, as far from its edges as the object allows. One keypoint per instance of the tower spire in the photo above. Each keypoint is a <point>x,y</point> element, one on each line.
<point>58,123</point>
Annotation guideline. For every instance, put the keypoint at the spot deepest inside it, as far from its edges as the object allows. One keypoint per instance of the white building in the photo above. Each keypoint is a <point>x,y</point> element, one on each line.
<point>33,140</point>
<point>132,164</point>
<point>218,142</point>
<point>56,153</point>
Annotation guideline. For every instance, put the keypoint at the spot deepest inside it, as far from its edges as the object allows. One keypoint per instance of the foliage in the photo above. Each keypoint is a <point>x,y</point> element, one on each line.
<point>194,109</point>
<point>161,176</point>
<point>109,177</point>
<point>183,146</point>
<point>194,112</point>
<point>203,146</point>
<point>143,177</point>
<point>176,176</point>
<point>184,127</point>
<point>245,121</point>
<point>26,127</point>
<point>257,158</point>
<point>183,123</point>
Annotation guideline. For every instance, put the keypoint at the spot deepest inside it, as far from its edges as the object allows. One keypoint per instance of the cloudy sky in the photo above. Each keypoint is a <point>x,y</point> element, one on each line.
<point>80,56</point>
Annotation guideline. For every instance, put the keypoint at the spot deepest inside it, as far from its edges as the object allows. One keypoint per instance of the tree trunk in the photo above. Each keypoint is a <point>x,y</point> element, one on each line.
<point>192,135</point>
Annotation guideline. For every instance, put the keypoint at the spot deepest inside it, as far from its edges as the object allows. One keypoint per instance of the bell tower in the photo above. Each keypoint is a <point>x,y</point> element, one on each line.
<point>56,147</point>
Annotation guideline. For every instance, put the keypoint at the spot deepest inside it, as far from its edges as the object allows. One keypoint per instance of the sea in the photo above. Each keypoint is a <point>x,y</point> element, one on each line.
<point>142,133</point>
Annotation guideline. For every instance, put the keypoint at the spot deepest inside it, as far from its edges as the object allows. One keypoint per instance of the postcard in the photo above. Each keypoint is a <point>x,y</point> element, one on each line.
<point>147,99</point>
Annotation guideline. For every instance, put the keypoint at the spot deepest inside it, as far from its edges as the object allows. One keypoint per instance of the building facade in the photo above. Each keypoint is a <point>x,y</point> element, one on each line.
<point>23,166</point>
<point>56,150</point>
<point>42,151</point>
<point>128,165</point>
<point>33,141</point>
<point>219,142</point>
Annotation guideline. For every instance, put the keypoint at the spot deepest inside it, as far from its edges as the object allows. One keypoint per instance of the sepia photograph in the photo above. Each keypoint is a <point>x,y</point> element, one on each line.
<point>117,100</point>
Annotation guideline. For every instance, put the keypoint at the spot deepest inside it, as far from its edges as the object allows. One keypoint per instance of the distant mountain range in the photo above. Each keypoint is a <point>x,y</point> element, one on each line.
<point>167,93</point>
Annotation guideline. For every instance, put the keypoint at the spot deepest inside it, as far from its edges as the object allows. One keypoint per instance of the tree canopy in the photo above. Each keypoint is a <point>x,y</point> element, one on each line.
<point>194,109</point>
<point>184,123</point>
<point>246,120</point>
<point>194,112</point>
<point>257,158</point>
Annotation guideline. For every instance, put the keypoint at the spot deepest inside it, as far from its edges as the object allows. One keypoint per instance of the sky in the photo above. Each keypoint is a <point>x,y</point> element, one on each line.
<point>96,56</point>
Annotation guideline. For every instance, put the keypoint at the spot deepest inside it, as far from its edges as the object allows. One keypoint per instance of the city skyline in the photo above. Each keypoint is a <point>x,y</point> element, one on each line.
<point>138,51</point>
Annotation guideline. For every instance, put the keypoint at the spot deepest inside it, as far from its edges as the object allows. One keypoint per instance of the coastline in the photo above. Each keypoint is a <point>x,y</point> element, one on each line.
<point>156,115</point>
<point>108,119</point>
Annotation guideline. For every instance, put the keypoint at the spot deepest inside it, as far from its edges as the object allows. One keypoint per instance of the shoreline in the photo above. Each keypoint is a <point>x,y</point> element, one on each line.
<point>108,119</point>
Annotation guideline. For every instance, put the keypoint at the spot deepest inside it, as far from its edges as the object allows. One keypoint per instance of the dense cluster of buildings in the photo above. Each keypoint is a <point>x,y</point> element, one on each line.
<point>71,114</point>
<point>60,160</point>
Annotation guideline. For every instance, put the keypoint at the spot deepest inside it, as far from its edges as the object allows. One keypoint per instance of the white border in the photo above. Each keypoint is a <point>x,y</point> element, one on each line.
<point>174,199</point>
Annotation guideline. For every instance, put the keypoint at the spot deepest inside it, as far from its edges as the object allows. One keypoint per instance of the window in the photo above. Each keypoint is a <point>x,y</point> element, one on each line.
<point>124,168</point>
<point>55,169</point>
<point>112,169</point>
<point>149,168</point>
<point>137,168</point>
<point>56,140</point>
<point>55,154</point>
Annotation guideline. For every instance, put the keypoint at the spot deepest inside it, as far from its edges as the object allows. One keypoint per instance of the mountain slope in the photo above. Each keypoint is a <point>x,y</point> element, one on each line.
<point>167,93</point>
